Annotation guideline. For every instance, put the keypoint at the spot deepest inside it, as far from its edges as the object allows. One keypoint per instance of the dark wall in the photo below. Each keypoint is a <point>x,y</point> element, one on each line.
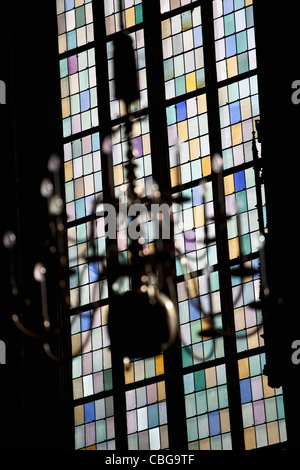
<point>278,61</point>
<point>33,407</point>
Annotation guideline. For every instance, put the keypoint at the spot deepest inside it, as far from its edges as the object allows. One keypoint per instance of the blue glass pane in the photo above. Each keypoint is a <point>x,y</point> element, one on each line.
<point>245,389</point>
<point>79,208</point>
<point>69,4</point>
<point>194,309</point>
<point>86,321</point>
<point>214,423</point>
<point>239,181</point>
<point>197,196</point>
<point>153,416</point>
<point>71,39</point>
<point>89,412</point>
<point>197,36</point>
<point>85,100</point>
<point>181,111</point>
<point>230,46</point>
<point>95,142</point>
<point>227,6</point>
<point>235,112</point>
<point>93,272</point>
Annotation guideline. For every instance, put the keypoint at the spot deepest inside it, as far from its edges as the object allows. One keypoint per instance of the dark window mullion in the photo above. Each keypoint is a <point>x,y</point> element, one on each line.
<point>221,230</point>
<point>161,174</point>
<point>108,195</point>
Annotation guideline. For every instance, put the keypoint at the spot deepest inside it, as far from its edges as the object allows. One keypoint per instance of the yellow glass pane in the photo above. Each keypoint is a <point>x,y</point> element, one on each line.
<point>194,148</point>
<point>62,43</point>
<point>249,436</point>
<point>93,447</point>
<point>206,166</point>
<point>243,368</point>
<point>166,28</point>
<point>224,420</point>
<point>246,108</point>
<point>104,315</point>
<point>199,216</point>
<point>204,444</point>
<point>159,364</point>
<point>228,184</point>
<point>232,69</point>
<point>236,134</point>
<point>78,3</point>
<point>68,170</point>
<point>77,388</point>
<point>175,176</point>
<point>268,391</point>
<point>129,374</point>
<point>273,432</point>
<point>210,377</point>
<point>206,325</point>
<point>161,391</point>
<point>190,80</point>
<point>64,87</point>
<point>76,344</point>
<point>78,415</point>
<point>65,107</point>
<point>202,105</point>
<point>193,288</point>
<point>234,250</point>
<point>82,253</point>
<point>118,174</point>
<point>239,319</point>
<point>146,144</point>
<point>182,130</point>
<point>252,338</point>
<point>248,2</point>
<point>129,17</point>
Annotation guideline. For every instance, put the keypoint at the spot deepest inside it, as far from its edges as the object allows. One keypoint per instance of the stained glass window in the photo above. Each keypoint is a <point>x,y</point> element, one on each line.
<point>75,24</point>
<point>183,53</point>
<point>262,406</point>
<point>206,401</point>
<point>199,102</point>
<point>234,37</point>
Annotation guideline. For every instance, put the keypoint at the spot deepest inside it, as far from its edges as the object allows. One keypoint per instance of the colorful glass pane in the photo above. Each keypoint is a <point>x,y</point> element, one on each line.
<point>183,53</point>
<point>74,23</point>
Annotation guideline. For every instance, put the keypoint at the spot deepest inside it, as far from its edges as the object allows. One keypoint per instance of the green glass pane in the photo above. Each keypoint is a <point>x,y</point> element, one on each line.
<point>107,379</point>
<point>200,380</point>
<point>271,410</point>
<point>187,358</point>
<point>245,244</point>
<point>192,429</point>
<point>201,402</point>
<point>243,63</point>
<point>83,80</point>
<point>195,330</point>
<point>229,24</point>
<point>241,200</point>
<point>241,42</point>
<point>69,191</point>
<point>212,399</point>
<point>139,14</point>
<point>223,396</point>
<point>190,405</point>
<point>100,431</point>
<point>180,85</point>
<point>80,16</point>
